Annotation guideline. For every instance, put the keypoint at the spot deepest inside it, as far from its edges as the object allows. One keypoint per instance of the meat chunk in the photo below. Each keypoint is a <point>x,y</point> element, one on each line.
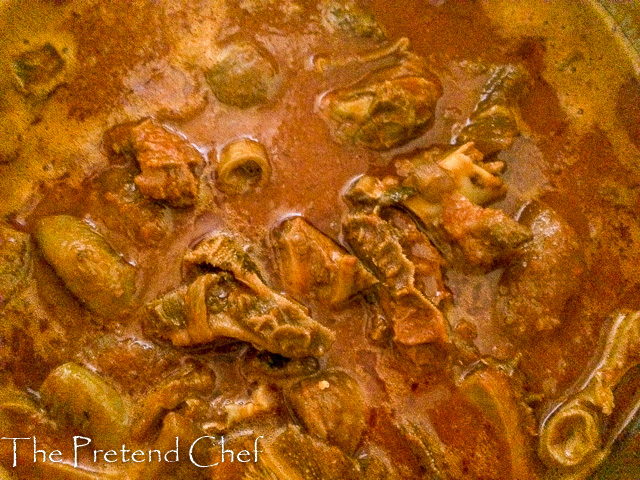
<point>346,16</point>
<point>263,364</point>
<point>129,359</point>
<point>535,288</point>
<point>444,191</point>
<point>313,265</point>
<point>422,254</point>
<point>376,242</point>
<point>234,302</point>
<point>15,262</point>
<point>188,382</point>
<point>167,162</point>
<point>331,406</point>
<point>243,166</point>
<point>174,425</point>
<point>75,396</point>
<point>263,400</point>
<point>244,75</point>
<point>387,109</point>
<point>165,91</point>
<point>368,193</point>
<point>415,318</point>
<point>39,71</point>
<point>124,209</point>
<point>492,124</point>
<point>485,237</point>
<point>433,173</point>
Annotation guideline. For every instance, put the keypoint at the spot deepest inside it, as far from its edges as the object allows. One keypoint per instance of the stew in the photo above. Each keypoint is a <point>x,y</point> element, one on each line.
<point>332,239</point>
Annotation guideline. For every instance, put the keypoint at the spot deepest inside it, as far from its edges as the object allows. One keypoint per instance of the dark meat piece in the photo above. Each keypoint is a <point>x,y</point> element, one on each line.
<point>277,366</point>
<point>535,288</point>
<point>492,126</point>
<point>313,265</point>
<point>387,109</point>
<point>166,160</point>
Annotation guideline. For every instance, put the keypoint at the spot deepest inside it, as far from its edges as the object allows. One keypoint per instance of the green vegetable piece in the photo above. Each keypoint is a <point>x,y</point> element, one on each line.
<point>87,264</point>
<point>79,397</point>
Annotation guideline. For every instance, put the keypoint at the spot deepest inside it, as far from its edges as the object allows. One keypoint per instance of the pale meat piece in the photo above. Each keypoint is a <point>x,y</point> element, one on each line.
<point>313,265</point>
<point>433,173</point>
<point>166,161</point>
<point>535,288</point>
<point>576,433</point>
